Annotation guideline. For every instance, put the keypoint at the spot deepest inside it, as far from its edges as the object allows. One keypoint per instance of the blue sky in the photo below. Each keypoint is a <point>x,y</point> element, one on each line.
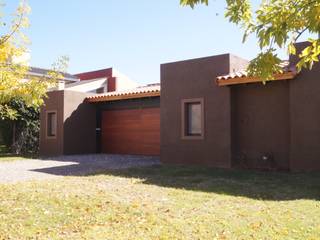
<point>135,37</point>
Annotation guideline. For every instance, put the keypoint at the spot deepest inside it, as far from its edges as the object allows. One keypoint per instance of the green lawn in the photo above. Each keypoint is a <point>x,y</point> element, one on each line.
<point>164,203</point>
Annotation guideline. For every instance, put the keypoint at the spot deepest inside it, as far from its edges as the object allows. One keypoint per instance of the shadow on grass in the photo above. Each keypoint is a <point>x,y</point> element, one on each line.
<point>248,183</point>
<point>276,186</point>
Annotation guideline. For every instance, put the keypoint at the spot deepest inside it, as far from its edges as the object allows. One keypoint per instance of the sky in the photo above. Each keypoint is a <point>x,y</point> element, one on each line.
<point>134,37</point>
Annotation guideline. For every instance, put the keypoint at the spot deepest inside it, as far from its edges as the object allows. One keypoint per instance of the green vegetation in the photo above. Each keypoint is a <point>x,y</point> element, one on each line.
<point>13,48</point>
<point>164,203</point>
<point>3,149</point>
<point>11,158</point>
<point>21,134</point>
<point>5,156</point>
<point>277,24</point>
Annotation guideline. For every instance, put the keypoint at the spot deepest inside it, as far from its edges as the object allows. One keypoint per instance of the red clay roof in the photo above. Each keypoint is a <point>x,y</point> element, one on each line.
<point>242,76</point>
<point>152,90</point>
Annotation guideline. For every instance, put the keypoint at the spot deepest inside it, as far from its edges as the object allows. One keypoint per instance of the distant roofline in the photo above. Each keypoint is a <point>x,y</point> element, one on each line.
<point>201,58</point>
<point>42,72</point>
<point>93,71</point>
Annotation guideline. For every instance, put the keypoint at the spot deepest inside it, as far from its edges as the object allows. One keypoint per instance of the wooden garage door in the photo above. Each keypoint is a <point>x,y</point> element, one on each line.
<point>134,131</point>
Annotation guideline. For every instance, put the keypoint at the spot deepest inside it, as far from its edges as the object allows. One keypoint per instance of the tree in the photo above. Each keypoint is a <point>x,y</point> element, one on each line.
<point>14,82</point>
<point>21,95</point>
<point>277,24</point>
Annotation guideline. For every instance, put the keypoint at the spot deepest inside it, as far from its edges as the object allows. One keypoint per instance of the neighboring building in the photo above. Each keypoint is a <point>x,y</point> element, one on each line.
<point>101,81</point>
<point>212,113</point>
<point>44,74</point>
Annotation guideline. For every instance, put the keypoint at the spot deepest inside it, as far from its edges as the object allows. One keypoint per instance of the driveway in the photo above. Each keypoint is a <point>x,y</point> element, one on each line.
<point>75,165</point>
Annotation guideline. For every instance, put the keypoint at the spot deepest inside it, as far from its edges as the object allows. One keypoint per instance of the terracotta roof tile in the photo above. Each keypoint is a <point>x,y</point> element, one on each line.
<point>243,73</point>
<point>144,91</point>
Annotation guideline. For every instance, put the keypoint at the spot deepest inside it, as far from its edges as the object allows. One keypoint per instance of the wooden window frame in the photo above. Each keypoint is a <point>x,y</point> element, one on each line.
<point>184,121</point>
<point>56,132</point>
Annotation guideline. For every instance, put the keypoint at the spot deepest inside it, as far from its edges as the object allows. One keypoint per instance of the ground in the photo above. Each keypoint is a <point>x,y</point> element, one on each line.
<point>163,202</point>
<point>77,165</point>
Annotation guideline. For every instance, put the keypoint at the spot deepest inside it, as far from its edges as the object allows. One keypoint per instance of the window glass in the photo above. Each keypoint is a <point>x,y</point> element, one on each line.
<point>193,117</point>
<point>51,124</point>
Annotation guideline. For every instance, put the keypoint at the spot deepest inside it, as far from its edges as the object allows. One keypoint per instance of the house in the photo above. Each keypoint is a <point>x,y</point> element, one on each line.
<point>212,113</point>
<point>122,118</point>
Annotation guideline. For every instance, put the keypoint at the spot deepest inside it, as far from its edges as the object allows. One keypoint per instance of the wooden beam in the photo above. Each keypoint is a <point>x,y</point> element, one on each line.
<point>122,97</point>
<point>242,80</point>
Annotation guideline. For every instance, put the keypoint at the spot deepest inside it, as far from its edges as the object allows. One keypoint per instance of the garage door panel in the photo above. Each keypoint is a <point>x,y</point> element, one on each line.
<point>134,131</point>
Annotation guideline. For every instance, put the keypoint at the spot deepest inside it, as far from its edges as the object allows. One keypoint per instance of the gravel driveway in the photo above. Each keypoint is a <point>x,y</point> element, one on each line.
<point>76,165</point>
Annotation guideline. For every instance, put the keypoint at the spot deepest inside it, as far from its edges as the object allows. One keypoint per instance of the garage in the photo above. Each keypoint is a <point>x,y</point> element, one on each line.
<point>131,131</point>
<point>128,122</point>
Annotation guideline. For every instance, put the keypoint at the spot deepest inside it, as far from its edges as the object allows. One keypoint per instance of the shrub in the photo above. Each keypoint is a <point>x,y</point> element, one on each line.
<point>22,134</point>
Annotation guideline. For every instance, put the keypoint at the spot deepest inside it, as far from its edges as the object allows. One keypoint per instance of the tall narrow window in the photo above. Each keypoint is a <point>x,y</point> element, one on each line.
<point>51,124</point>
<point>192,119</point>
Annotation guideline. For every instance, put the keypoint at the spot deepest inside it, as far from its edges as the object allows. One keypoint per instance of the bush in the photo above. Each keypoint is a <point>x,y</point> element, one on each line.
<point>22,134</point>
<point>6,132</point>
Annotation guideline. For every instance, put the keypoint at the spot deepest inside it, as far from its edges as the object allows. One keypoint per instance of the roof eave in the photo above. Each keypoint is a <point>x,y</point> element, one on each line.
<point>96,99</point>
<point>247,79</point>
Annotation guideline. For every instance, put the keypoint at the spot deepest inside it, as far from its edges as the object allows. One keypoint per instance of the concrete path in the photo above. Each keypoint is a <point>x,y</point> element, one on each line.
<point>76,165</point>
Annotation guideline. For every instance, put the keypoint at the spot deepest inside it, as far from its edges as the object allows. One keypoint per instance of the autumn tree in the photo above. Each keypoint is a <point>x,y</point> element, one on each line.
<point>277,24</point>
<point>14,80</point>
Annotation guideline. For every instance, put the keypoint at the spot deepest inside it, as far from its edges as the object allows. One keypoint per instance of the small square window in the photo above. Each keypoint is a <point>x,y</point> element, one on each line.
<point>192,119</point>
<point>51,124</point>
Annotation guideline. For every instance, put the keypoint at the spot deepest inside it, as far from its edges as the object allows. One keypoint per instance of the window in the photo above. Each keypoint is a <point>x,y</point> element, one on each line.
<point>192,119</point>
<point>51,124</point>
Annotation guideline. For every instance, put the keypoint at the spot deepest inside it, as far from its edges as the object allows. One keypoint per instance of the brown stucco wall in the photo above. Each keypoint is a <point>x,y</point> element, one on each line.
<point>76,124</point>
<point>54,102</point>
<point>305,118</point>
<point>195,79</point>
<point>260,125</point>
<point>305,121</point>
<point>79,124</point>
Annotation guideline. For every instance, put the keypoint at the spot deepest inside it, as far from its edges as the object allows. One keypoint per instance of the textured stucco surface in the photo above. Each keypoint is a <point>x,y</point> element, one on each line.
<point>260,124</point>
<point>196,79</point>
<point>53,146</point>
<point>76,123</point>
<point>79,124</point>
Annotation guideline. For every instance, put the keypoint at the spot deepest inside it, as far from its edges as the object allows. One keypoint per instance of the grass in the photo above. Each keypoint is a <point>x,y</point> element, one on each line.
<point>6,156</point>
<point>3,149</point>
<point>164,203</point>
<point>11,158</point>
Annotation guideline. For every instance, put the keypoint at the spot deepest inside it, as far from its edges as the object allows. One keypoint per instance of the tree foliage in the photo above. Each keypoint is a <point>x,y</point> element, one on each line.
<point>15,83</point>
<point>277,24</point>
